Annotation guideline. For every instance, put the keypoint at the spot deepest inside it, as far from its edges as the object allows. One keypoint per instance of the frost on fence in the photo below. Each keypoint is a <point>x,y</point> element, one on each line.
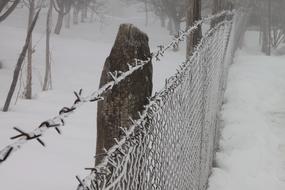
<point>172,145</point>
<point>58,121</point>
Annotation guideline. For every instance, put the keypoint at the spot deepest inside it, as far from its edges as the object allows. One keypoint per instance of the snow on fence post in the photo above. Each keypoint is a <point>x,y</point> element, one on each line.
<point>58,121</point>
<point>171,145</point>
<point>165,148</point>
<point>130,96</point>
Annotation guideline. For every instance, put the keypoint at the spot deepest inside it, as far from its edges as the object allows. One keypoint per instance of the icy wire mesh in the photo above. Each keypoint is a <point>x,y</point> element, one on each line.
<point>58,121</point>
<point>172,145</point>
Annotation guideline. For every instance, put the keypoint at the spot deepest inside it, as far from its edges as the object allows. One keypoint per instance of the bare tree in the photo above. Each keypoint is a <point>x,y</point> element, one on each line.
<point>67,20</point>
<point>47,80</point>
<point>146,12</point>
<point>19,63</point>
<point>265,26</point>
<point>277,23</point>
<point>174,10</point>
<point>271,23</point>
<point>76,9</point>
<point>62,7</point>
<point>84,9</point>
<point>159,11</point>
<point>3,4</point>
<point>28,89</point>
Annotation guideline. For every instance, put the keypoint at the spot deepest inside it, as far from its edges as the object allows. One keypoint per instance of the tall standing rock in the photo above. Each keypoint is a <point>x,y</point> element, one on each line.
<point>129,97</point>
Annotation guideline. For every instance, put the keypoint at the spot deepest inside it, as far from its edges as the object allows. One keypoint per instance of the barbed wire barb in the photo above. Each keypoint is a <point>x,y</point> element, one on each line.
<point>172,143</point>
<point>58,121</point>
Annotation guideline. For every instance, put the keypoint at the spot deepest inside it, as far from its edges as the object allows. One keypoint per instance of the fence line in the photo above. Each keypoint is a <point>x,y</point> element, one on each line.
<point>58,121</point>
<point>172,145</point>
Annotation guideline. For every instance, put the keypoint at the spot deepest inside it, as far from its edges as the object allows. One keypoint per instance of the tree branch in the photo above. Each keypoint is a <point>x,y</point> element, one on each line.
<point>9,11</point>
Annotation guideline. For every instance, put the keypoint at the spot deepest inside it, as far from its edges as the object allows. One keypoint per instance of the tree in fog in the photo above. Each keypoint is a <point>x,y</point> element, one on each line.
<point>20,63</point>
<point>62,7</point>
<point>97,8</point>
<point>175,11</point>
<point>28,89</point>
<point>82,6</point>
<point>277,23</point>
<point>4,13</point>
<point>269,16</point>
<point>47,78</point>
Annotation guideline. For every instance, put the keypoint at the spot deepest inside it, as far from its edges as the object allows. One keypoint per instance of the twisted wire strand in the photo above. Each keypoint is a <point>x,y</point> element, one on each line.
<point>59,120</point>
<point>112,170</point>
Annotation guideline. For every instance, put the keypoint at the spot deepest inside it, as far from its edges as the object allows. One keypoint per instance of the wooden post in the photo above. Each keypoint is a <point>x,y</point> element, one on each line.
<point>130,96</point>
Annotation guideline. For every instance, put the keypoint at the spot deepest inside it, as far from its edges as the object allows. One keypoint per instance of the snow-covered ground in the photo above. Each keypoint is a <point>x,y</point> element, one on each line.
<point>252,154</point>
<point>78,55</point>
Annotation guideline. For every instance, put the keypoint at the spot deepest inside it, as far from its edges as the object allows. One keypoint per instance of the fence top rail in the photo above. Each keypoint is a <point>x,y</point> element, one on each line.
<point>58,121</point>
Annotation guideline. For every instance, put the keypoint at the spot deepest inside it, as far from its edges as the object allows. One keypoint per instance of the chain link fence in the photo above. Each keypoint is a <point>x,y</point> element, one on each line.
<point>172,145</point>
<point>58,121</point>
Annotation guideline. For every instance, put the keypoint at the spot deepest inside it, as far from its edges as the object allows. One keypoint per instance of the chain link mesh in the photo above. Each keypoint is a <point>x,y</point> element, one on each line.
<point>172,145</point>
<point>57,122</point>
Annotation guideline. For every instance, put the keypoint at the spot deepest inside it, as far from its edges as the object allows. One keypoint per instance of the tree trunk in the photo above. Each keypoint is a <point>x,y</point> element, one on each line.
<point>59,23</point>
<point>28,92</point>
<point>170,26</point>
<point>75,15</point>
<point>82,16</point>
<point>67,20</point>
<point>193,14</point>
<point>47,80</point>
<point>177,26</point>
<point>264,39</point>
<point>266,29</point>
<point>146,12</point>
<point>130,96</point>
<point>162,19</point>
<point>19,64</point>
<point>92,16</point>
<point>3,3</point>
<point>269,28</point>
<point>84,9</point>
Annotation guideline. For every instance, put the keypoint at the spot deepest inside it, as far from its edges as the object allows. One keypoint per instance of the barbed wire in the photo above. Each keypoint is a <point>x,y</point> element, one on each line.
<point>58,121</point>
<point>138,127</point>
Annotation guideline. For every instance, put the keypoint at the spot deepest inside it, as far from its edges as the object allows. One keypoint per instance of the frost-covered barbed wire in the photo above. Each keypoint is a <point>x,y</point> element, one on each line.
<point>59,120</point>
<point>172,144</point>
